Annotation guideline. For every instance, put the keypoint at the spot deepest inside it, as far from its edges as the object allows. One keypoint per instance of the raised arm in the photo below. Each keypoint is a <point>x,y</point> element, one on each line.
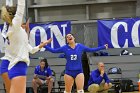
<point>27,27</point>
<point>87,49</point>
<point>58,50</point>
<point>17,20</point>
<point>33,50</point>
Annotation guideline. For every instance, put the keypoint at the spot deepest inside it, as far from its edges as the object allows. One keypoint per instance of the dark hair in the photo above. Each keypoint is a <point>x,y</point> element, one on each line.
<point>46,62</point>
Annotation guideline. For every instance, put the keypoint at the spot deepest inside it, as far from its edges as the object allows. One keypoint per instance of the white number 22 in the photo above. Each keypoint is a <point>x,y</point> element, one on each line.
<point>73,57</point>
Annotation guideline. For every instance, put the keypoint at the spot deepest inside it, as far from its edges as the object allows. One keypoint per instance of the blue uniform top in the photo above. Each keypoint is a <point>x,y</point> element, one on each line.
<point>0,70</point>
<point>46,72</point>
<point>73,56</point>
<point>95,78</point>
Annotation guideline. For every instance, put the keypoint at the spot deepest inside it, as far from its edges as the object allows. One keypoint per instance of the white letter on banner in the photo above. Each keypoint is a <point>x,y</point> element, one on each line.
<point>2,44</point>
<point>114,35</point>
<point>56,31</point>
<point>64,31</point>
<point>135,35</point>
<point>43,35</point>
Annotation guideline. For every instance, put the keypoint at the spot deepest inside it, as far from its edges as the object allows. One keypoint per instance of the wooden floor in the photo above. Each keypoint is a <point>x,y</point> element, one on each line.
<point>124,92</point>
<point>131,92</point>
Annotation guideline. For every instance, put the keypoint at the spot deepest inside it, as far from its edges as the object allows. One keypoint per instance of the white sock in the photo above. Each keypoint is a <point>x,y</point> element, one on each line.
<point>80,91</point>
<point>66,92</point>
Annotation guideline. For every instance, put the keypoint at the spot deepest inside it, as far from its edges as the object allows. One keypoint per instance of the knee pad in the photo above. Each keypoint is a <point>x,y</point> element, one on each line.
<point>80,91</point>
<point>66,92</point>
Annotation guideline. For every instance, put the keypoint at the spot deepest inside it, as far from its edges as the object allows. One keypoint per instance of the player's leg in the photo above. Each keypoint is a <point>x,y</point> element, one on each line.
<point>35,84</point>
<point>4,74</point>
<point>69,80</point>
<point>17,74</point>
<point>50,84</point>
<point>79,80</point>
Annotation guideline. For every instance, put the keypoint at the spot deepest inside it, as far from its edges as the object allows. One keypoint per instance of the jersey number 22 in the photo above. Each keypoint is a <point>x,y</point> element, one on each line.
<point>73,57</point>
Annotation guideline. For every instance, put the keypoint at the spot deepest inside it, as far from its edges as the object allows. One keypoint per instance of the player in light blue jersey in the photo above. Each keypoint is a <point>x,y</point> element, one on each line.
<point>73,70</point>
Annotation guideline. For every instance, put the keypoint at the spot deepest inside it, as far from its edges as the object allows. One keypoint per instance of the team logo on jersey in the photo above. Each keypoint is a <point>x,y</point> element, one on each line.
<point>45,71</point>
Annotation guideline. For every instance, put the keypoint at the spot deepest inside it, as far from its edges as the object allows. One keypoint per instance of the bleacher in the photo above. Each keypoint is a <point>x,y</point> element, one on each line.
<point>84,15</point>
<point>126,63</point>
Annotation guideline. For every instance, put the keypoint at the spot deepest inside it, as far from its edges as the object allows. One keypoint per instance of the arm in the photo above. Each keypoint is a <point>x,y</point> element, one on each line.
<point>62,56</point>
<point>106,78</point>
<point>36,74</point>
<point>41,77</point>
<point>47,76</point>
<point>27,27</point>
<point>33,50</point>
<point>17,20</point>
<point>96,79</point>
<point>49,73</point>
<point>87,49</point>
<point>58,50</point>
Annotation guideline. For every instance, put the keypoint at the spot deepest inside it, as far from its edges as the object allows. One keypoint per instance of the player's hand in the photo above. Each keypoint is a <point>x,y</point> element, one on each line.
<point>45,43</point>
<point>35,76</point>
<point>106,86</point>
<point>47,78</point>
<point>102,72</point>
<point>106,46</point>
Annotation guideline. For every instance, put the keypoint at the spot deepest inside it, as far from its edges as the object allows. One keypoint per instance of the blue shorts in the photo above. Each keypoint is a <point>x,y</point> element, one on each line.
<point>20,69</point>
<point>4,66</point>
<point>73,73</point>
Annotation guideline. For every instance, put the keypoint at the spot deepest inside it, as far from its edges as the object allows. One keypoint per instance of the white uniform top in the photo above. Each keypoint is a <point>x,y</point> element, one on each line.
<point>19,48</point>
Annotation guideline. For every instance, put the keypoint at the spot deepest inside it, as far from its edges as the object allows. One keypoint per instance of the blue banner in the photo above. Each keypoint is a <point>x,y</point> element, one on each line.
<point>42,32</point>
<point>121,33</point>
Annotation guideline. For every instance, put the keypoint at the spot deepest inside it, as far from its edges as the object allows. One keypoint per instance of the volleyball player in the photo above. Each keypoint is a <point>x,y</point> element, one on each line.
<point>18,48</point>
<point>73,70</point>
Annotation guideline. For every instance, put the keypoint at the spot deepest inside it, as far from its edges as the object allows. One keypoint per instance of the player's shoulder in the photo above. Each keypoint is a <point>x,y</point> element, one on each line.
<point>48,68</point>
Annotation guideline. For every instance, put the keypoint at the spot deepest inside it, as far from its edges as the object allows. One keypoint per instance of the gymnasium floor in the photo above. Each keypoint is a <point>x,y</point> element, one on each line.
<point>131,92</point>
<point>124,92</point>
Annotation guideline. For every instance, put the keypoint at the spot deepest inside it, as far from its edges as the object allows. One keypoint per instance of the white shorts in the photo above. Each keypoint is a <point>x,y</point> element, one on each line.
<point>43,81</point>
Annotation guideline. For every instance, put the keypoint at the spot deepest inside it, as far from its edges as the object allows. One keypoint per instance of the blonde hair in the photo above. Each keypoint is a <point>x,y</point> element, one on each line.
<point>7,13</point>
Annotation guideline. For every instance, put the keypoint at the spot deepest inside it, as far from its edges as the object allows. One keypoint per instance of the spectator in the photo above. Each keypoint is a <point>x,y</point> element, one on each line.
<point>99,80</point>
<point>42,75</point>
